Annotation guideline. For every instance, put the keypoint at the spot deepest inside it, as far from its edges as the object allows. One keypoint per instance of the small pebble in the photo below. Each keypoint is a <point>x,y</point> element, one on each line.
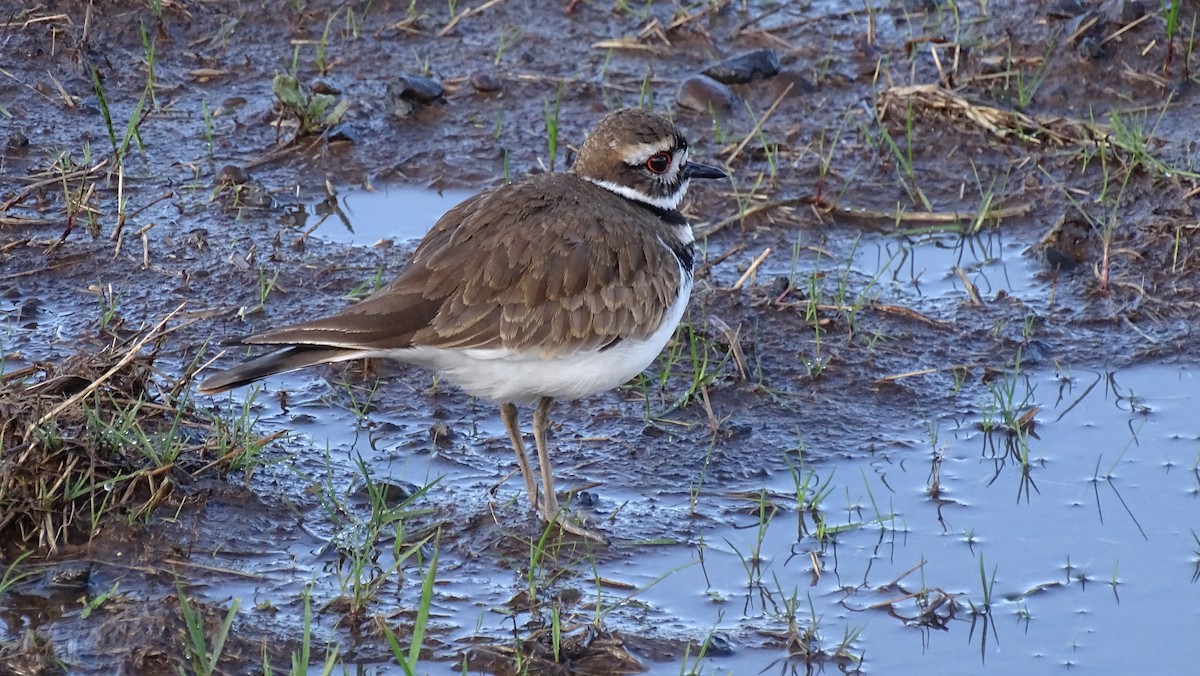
<point>719,645</point>
<point>1091,47</point>
<point>323,87</point>
<point>408,91</point>
<point>441,434</point>
<point>392,491</point>
<point>756,65</point>
<point>586,500</point>
<point>231,174</point>
<point>400,106</point>
<point>702,93</point>
<point>29,309</point>
<point>1037,352</point>
<point>416,88</point>
<point>486,81</point>
<point>70,576</point>
<point>738,430</point>
<point>197,238</point>
<point>254,195</point>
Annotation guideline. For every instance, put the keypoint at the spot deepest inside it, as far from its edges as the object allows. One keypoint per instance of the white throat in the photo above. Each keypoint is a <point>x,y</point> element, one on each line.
<point>667,202</point>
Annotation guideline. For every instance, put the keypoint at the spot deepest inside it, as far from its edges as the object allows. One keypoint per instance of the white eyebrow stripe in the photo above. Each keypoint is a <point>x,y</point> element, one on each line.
<point>636,154</point>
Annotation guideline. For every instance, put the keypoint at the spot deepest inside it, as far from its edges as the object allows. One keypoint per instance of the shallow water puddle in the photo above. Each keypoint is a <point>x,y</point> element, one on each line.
<point>399,213</point>
<point>929,265</point>
<point>1090,556</point>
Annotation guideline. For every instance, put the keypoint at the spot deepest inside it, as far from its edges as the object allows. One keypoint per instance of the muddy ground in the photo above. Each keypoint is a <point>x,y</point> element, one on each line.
<point>149,164</point>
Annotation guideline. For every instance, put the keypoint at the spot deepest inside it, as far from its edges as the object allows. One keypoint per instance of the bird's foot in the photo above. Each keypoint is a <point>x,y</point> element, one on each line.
<point>564,519</point>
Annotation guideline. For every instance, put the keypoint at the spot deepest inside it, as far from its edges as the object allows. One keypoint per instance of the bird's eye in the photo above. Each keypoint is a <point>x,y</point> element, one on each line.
<point>659,162</point>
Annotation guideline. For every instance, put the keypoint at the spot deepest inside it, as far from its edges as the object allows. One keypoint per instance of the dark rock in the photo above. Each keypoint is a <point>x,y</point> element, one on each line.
<point>756,65</point>
<point>441,434</point>
<point>323,87</point>
<point>30,308</point>
<point>1057,259</point>
<point>400,107</point>
<point>486,81</point>
<point>393,492</point>
<point>231,174</point>
<point>70,576</point>
<point>739,430</point>
<point>408,91</point>
<point>254,195</point>
<point>702,94</point>
<point>415,88</point>
<point>1037,352</point>
<point>197,238</point>
<point>1133,10</point>
<point>586,500</point>
<point>1091,47</point>
<point>719,645</point>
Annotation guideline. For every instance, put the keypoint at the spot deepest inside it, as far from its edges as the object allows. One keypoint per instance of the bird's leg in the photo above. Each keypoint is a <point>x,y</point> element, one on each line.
<point>508,413</point>
<point>541,420</point>
<point>550,513</point>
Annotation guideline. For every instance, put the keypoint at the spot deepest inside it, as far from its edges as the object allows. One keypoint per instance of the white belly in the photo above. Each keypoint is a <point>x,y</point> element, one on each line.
<point>504,376</point>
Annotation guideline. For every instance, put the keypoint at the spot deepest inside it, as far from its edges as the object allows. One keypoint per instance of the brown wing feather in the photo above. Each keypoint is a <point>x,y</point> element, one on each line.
<point>564,283</point>
<point>510,268</point>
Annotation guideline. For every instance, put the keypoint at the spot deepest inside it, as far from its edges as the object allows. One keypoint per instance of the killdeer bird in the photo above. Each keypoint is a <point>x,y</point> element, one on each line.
<point>555,287</point>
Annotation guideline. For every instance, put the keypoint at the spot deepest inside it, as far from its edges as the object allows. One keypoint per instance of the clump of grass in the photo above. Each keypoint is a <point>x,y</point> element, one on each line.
<point>408,659</point>
<point>202,653</point>
<point>99,435</point>
<point>1170,13</point>
<point>313,112</point>
<point>551,113</point>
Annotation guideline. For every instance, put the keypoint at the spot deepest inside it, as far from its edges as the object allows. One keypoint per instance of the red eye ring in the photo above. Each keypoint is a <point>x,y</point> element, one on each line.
<point>659,162</point>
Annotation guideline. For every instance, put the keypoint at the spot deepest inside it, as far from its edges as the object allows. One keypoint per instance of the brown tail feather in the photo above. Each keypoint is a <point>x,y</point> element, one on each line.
<point>282,361</point>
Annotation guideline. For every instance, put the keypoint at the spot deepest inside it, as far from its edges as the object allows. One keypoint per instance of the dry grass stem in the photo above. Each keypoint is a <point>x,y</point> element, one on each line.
<point>751,270</point>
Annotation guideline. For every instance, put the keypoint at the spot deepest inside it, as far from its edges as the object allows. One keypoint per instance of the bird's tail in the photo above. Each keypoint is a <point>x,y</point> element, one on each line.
<point>281,361</point>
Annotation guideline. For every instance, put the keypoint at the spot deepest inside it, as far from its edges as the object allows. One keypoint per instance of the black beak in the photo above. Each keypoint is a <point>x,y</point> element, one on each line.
<point>696,170</point>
